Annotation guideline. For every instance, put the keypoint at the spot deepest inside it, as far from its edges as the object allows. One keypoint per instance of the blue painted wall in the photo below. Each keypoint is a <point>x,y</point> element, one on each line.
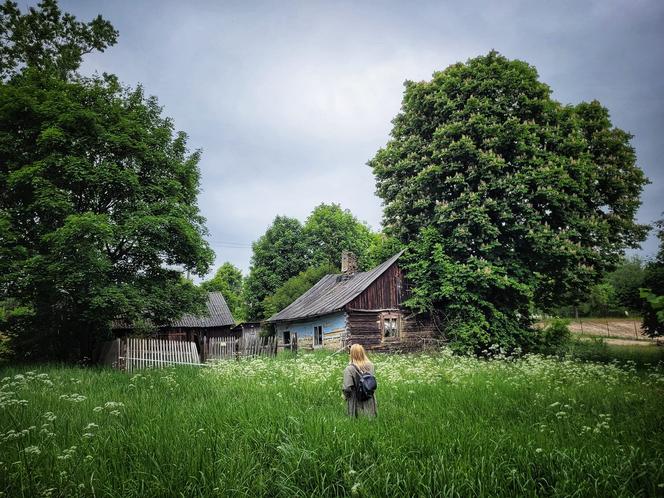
<point>331,323</point>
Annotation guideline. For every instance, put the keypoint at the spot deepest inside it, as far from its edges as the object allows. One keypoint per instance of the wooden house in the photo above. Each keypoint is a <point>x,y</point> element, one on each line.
<point>353,307</point>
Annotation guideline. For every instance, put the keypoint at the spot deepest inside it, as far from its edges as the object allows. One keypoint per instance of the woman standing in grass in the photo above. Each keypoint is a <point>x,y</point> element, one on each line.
<point>358,366</point>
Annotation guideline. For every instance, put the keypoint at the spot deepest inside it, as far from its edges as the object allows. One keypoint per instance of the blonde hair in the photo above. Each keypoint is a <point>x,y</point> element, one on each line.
<point>358,357</point>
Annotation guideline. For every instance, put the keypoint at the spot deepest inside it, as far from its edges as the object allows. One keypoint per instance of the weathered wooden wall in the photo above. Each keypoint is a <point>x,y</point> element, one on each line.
<point>384,293</point>
<point>366,328</point>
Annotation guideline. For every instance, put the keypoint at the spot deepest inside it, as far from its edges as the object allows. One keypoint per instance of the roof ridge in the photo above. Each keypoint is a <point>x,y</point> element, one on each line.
<point>343,290</point>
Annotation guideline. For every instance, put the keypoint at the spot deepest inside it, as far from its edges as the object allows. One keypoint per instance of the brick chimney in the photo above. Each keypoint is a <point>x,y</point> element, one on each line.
<point>348,263</point>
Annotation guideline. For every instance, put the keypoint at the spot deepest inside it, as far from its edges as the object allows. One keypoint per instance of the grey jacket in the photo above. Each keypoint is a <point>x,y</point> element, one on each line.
<point>354,406</point>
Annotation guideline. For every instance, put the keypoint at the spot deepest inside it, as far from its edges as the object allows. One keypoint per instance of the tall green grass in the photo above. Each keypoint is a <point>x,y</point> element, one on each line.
<point>447,426</point>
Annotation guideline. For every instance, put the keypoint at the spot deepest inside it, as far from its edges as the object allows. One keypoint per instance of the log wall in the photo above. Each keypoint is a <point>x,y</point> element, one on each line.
<point>366,328</point>
<point>384,293</point>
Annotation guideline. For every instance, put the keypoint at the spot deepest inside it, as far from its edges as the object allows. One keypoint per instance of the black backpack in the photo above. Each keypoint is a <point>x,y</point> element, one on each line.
<point>366,385</point>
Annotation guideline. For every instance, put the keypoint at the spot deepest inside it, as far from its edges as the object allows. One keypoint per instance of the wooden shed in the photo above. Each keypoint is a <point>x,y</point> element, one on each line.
<point>217,322</point>
<point>353,307</point>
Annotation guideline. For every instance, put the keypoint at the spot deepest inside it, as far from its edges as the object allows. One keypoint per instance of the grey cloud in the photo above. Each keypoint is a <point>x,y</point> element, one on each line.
<point>288,100</point>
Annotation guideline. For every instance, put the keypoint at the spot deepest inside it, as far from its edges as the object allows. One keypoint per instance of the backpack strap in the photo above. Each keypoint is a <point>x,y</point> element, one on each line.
<point>356,380</point>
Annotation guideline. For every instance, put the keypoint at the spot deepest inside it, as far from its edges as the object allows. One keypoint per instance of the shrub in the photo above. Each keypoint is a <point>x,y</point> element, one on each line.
<point>554,336</point>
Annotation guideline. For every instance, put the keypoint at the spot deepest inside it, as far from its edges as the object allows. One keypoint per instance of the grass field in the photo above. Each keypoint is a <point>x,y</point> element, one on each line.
<point>448,426</point>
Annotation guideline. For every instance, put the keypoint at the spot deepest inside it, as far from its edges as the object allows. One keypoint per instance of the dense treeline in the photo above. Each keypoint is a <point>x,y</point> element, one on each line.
<point>290,257</point>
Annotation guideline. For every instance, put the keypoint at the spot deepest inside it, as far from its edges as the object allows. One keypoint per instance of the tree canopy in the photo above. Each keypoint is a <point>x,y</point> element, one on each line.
<point>288,248</point>
<point>330,230</point>
<point>504,197</point>
<point>98,194</point>
<point>295,286</point>
<point>46,39</point>
<point>228,280</point>
<point>279,254</point>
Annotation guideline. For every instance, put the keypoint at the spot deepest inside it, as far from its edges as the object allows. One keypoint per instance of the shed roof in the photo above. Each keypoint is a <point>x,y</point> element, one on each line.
<point>331,293</point>
<point>218,315</point>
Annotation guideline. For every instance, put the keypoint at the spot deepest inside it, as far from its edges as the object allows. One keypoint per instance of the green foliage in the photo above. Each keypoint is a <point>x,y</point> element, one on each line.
<point>626,280</point>
<point>504,196</point>
<point>288,248</point>
<point>554,336</point>
<point>98,209</point>
<point>278,255</point>
<point>447,426</point>
<point>228,281</point>
<point>330,230</point>
<point>46,40</point>
<point>656,304</point>
<point>295,286</point>
<point>381,248</point>
<point>602,298</point>
<point>616,295</point>
<point>653,291</point>
<point>14,318</point>
<point>458,290</point>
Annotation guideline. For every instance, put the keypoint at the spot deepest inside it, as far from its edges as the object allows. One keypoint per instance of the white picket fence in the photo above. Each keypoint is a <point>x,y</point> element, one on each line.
<point>142,353</point>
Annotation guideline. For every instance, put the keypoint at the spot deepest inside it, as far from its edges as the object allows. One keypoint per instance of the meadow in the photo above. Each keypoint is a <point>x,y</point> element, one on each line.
<point>447,426</point>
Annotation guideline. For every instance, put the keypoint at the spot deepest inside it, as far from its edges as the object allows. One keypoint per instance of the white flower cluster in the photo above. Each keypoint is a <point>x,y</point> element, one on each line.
<point>74,398</point>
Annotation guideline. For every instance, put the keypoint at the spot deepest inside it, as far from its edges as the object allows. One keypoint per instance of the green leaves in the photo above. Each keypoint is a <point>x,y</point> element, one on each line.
<point>98,195</point>
<point>653,291</point>
<point>228,281</point>
<point>290,250</point>
<point>44,39</point>
<point>543,193</point>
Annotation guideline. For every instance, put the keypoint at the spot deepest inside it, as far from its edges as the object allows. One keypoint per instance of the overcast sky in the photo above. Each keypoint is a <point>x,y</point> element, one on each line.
<point>288,100</point>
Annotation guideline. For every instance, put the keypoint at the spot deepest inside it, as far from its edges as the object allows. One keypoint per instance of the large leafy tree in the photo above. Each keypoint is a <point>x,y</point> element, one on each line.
<point>330,230</point>
<point>97,194</point>
<point>381,248</point>
<point>279,254</point>
<point>228,280</point>
<point>504,196</point>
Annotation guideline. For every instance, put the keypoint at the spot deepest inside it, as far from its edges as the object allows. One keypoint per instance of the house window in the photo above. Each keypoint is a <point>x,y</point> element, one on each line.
<point>287,337</point>
<point>390,327</point>
<point>318,335</point>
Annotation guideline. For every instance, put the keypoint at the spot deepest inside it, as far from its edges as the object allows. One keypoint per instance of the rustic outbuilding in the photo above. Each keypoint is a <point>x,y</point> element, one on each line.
<point>218,322</point>
<point>353,307</point>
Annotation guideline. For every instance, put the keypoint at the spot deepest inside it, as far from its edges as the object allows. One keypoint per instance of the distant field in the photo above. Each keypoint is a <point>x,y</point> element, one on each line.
<point>616,330</point>
<point>447,426</point>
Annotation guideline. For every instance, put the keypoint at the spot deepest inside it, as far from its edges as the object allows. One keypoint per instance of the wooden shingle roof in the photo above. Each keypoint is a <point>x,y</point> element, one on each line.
<point>331,293</point>
<point>218,315</point>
